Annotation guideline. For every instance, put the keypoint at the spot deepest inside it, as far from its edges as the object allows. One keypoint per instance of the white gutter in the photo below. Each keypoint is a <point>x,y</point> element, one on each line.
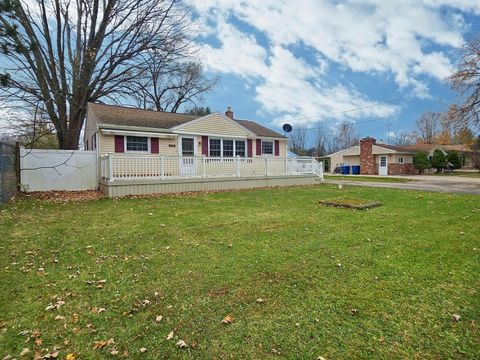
<point>138,133</point>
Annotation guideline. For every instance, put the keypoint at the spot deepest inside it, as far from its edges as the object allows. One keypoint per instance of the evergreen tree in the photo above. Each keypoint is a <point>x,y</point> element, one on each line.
<point>420,161</point>
<point>454,159</point>
<point>439,160</point>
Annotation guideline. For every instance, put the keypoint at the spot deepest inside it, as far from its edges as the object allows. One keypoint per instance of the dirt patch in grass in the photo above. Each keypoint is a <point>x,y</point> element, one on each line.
<point>63,196</point>
<point>351,203</point>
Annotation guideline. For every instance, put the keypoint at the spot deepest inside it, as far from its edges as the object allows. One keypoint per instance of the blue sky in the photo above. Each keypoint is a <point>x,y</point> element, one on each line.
<point>309,61</point>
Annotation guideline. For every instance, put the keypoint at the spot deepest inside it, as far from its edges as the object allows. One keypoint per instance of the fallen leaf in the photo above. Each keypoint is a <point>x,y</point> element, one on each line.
<point>321,358</point>
<point>354,311</point>
<point>59,317</point>
<point>38,341</point>
<point>227,319</point>
<point>456,317</point>
<point>102,343</point>
<point>70,356</point>
<point>114,352</point>
<point>181,344</point>
<point>158,318</point>
<point>142,350</point>
<point>24,351</point>
<point>260,300</point>
<point>170,336</point>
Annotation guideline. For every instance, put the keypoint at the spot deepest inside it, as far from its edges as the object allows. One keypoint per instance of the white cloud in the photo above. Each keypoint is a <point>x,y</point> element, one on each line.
<point>404,38</point>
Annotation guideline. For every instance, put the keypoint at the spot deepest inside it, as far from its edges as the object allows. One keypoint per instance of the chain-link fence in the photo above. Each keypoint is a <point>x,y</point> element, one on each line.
<point>8,174</point>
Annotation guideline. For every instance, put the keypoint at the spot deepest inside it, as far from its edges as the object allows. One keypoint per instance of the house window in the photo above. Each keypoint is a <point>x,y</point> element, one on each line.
<point>240,148</point>
<point>215,147</point>
<point>267,147</point>
<point>94,141</point>
<point>383,161</point>
<point>228,150</point>
<point>137,143</point>
<point>400,160</point>
<point>188,147</point>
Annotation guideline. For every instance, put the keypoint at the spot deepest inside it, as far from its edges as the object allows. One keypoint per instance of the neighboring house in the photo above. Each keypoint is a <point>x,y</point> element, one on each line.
<point>117,129</point>
<point>382,159</point>
<point>465,151</point>
<point>375,159</point>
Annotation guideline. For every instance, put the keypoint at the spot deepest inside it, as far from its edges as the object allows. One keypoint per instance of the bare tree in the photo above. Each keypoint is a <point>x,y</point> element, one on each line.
<point>429,126</point>
<point>404,138</point>
<point>298,140</point>
<point>322,135</point>
<point>66,53</point>
<point>466,81</point>
<point>164,84</point>
<point>344,137</point>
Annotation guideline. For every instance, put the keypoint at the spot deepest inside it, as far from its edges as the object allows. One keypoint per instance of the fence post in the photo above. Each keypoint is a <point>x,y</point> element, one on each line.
<point>266,166</point>
<point>162,167</point>
<point>204,170</point>
<point>17,165</point>
<point>237,168</point>
<point>110,167</point>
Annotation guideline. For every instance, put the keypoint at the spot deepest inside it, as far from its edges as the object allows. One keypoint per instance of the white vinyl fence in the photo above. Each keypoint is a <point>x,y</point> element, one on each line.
<point>130,167</point>
<point>44,170</point>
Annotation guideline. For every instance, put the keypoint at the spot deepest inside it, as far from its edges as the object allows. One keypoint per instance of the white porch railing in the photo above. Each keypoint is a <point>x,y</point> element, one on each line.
<point>129,167</point>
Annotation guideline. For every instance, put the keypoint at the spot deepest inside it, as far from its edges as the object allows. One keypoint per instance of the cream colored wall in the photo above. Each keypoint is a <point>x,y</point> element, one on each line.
<point>351,160</point>
<point>107,145</point>
<point>90,128</point>
<point>393,158</point>
<point>214,125</point>
<point>335,160</point>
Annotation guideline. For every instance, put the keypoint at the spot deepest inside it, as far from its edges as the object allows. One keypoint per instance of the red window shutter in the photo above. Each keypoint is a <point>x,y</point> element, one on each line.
<point>259,147</point>
<point>249,148</point>
<point>205,145</point>
<point>119,147</point>
<point>277,148</point>
<point>154,146</point>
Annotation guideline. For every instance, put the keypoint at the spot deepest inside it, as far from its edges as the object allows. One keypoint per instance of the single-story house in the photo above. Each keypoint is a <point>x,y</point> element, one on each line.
<point>375,158</point>
<point>119,129</point>
<point>464,150</point>
<point>382,159</point>
<point>144,151</point>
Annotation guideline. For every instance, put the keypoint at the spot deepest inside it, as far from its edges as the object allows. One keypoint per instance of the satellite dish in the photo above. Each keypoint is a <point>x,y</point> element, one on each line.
<point>287,128</point>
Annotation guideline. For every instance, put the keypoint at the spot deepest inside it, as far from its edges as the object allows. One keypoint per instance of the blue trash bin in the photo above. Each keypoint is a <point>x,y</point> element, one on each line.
<point>355,169</point>
<point>345,169</point>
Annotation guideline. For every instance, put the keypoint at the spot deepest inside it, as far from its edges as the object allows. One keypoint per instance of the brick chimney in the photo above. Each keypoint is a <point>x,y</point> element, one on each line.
<point>367,159</point>
<point>229,112</point>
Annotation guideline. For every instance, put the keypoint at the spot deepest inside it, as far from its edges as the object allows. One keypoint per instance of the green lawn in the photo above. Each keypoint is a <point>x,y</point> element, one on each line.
<point>468,174</point>
<point>367,178</point>
<point>406,267</point>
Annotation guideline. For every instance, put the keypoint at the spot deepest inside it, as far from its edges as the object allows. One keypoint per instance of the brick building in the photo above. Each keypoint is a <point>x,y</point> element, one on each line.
<point>375,158</point>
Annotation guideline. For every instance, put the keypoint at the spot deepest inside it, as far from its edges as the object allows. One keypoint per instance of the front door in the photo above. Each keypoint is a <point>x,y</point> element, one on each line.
<point>187,152</point>
<point>383,166</point>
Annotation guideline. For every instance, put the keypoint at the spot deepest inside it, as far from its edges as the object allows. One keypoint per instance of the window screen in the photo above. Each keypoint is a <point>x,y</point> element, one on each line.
<point>215,149</point>
<point>137,143</point>
<point>227,148</point>
<point>187,147</point>
<point>267,147</point>
<point>240,148</point>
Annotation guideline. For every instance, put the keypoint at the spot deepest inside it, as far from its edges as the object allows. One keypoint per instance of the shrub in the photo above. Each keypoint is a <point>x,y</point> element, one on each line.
<point>454,159</point>
<point>420,161</point>
<point>439,160</point>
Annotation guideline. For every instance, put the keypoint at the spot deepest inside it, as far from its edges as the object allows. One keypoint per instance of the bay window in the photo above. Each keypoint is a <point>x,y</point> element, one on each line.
<point>226,148</point>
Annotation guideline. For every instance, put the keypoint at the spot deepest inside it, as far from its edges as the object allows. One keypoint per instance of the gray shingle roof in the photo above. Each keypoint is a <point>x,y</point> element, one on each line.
<point>258,129</point>
<point>128,116</point>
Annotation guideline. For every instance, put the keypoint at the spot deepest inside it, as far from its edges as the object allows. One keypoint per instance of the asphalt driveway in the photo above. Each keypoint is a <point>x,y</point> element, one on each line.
<point>447,184</point>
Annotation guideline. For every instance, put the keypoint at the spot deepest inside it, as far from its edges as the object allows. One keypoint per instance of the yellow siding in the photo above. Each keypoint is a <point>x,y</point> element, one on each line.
<point>214,125</point>
<point>90,129</point>
<point>168,147</point>
<point>351,160</point>
<point>106,143</point>
<point>283,148</point>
